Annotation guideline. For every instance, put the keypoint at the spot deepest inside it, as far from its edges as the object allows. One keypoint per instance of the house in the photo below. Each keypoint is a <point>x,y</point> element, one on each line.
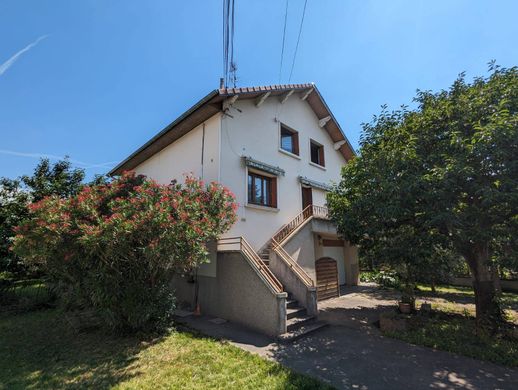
<point>279,149</point>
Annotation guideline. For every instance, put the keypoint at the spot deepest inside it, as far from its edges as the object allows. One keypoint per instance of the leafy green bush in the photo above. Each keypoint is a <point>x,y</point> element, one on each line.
<point>385,278</point>
<point>114,246</point>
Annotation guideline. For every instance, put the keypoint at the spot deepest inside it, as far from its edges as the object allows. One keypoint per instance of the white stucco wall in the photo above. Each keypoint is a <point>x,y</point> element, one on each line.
<point>184,156</point>
<point>254,132</point>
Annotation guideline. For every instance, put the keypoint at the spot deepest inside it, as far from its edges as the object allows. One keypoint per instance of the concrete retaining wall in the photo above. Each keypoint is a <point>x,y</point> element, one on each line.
<point>236,294</point>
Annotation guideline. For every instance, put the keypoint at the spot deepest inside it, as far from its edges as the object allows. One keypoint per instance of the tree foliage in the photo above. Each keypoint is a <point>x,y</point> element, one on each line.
<point>13,209</point>
<point>113,247</point>
<point>444,175</point>
<point>58,179</point>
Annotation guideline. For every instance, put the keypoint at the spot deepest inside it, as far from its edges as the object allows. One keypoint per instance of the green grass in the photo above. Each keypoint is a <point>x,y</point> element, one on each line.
<point>451,326</point>
<point>466,292</point>
<point>457,333</point>
<point>38,350</point>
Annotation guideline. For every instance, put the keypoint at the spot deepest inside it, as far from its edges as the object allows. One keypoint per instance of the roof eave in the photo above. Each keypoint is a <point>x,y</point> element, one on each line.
<point>207,98</point>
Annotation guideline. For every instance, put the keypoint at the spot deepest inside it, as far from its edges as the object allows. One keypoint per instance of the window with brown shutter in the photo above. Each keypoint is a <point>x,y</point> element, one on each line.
<point>262,190</point>
<point>317,153</point>
<point>289,140</point>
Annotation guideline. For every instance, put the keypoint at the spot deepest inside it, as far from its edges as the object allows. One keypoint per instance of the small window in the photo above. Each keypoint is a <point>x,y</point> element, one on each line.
<point>317,153</point>
<point>289,140</point>
<point>262,190</point>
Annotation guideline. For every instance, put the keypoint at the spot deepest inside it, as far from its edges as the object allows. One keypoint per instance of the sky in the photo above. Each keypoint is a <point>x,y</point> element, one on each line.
<point>95,79</point>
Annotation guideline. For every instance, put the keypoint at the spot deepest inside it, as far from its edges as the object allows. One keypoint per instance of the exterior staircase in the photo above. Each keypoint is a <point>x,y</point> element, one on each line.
<point>298,322</point>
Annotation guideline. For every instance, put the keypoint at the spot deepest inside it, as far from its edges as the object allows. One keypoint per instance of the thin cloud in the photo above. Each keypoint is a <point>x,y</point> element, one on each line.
<point>7,64</point>
<point>81,164</point>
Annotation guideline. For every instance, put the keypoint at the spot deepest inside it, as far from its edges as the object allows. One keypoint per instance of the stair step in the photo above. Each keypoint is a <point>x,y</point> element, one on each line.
<point>301,331</point>
<point>295,312</point>
<point>291,303</point>
<point>297,322</point>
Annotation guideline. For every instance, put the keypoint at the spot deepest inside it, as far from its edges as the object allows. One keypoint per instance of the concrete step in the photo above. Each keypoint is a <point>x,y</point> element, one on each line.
<point>295,312</point>
<point>297,322</point>
<point>301,331</point>
<point>291,303</point>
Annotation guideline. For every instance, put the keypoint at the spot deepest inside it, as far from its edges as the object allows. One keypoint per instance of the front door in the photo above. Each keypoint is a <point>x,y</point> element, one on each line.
<point>307,197</point>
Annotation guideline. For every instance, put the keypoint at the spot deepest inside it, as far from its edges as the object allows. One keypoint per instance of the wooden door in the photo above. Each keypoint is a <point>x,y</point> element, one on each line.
<point>327,278</point>
<point>307,197</point>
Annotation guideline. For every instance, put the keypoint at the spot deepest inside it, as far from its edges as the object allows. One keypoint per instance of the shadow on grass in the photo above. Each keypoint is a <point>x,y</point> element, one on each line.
<point>39,350</point>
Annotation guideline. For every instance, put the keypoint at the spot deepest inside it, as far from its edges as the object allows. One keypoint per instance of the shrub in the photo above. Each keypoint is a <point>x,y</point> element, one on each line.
<point>113,247</point>
<point>385,278</point>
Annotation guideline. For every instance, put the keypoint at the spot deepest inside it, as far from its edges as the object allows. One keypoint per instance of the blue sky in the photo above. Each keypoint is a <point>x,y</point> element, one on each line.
<point>102,77</point>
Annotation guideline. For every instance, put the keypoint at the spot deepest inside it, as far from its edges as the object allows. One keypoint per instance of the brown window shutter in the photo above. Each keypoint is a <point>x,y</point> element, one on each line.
<point>295,139</point>
<point>273,192</point>
<point>321,156</point>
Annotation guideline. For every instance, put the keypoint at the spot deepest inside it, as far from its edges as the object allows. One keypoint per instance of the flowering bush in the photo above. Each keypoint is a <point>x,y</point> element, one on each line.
<point>113,247</point>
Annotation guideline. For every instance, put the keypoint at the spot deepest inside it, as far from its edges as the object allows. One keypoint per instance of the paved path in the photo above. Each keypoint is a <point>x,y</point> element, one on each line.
<point>352,354</point>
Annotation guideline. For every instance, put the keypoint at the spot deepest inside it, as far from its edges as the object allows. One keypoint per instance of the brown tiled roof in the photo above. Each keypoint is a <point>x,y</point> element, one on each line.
<point>212,103</point>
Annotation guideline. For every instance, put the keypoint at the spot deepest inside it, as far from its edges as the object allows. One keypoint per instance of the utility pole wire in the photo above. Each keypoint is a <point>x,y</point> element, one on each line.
<point>283,39</point>
<point>298,40</point>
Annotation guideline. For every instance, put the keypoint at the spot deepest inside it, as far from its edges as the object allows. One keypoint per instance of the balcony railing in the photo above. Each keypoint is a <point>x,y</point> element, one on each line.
<point>310,211</point>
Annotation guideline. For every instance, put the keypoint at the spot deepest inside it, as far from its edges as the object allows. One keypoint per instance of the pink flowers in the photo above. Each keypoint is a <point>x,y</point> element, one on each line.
<point>125,219</point>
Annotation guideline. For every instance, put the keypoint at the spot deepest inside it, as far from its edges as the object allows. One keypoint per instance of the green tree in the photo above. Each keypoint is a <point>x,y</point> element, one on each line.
<point>48,179</point>
<point>54,179</point>
<point>13,210</point>
<point>443,174</point>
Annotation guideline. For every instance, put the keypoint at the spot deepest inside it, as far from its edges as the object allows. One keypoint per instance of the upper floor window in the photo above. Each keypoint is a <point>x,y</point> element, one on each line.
<point>289,140</point>
<point>317,153</point>
<point>262,190</point>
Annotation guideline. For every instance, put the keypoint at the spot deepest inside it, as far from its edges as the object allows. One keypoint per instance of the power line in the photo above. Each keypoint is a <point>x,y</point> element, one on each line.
<point>298,40</point>
<point>229,65</point>
<point>283,39</point>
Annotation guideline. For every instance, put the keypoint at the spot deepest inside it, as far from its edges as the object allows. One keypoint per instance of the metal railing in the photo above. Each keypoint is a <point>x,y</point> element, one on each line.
<point>303,216</point>
<point>292,264</point>
<point>239,244</point>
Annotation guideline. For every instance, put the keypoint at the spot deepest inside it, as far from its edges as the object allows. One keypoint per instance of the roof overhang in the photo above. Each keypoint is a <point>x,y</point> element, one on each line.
<point>213,103</point>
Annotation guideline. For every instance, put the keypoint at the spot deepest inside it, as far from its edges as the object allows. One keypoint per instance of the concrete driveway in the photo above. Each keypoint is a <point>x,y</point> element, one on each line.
<point>352,354</point>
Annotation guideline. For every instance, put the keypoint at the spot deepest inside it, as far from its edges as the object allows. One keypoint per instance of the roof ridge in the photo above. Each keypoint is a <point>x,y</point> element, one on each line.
<point>264,88</point>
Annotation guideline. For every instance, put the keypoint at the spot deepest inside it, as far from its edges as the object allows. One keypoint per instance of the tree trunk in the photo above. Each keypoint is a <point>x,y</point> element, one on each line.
<point>487,310</point>
<point>432,285</point>
<point>496,278</point>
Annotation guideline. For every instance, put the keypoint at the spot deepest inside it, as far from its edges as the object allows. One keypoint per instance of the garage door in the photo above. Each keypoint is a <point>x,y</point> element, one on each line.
<point>327,278</point>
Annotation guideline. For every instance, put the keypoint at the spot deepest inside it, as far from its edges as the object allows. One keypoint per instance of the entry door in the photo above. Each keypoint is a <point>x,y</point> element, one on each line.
<point>307,197</point>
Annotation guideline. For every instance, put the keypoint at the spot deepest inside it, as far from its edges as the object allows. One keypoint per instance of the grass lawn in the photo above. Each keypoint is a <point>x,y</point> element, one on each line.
<point>451,326</point>
<point>457,333</point>
<point>38,350</point>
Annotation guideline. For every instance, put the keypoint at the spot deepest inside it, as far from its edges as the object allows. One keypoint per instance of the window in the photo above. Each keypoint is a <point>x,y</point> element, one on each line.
<point>289,140</point>
<point>317,153</point>
<point>262,190</point>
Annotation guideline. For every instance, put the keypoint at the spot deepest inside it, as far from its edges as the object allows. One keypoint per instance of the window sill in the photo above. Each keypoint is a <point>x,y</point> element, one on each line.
<point>289,153</point>
<point>317,165</point>
<point>263,208</point>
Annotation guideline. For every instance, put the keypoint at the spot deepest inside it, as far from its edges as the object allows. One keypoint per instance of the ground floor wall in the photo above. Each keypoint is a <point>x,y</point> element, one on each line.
<point>236,293</point>
<point>308,245</point>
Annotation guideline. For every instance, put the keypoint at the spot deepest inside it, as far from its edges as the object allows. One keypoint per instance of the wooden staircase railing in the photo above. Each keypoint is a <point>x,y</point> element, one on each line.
<point>292,264</point>
<point>239,244</point>
<point>307,213</point>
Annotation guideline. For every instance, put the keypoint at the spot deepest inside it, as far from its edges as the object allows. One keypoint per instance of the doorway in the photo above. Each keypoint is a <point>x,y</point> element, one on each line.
<point>327,279</point>
<point>307,197</point>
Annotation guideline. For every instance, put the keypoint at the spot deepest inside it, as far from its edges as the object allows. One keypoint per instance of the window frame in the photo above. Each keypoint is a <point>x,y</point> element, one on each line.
<point>271,191</point>
<point>294,140</point>
<point>321,154</point>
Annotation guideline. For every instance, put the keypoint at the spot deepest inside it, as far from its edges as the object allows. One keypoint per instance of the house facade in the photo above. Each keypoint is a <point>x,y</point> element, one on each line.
<point>279,149</point>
